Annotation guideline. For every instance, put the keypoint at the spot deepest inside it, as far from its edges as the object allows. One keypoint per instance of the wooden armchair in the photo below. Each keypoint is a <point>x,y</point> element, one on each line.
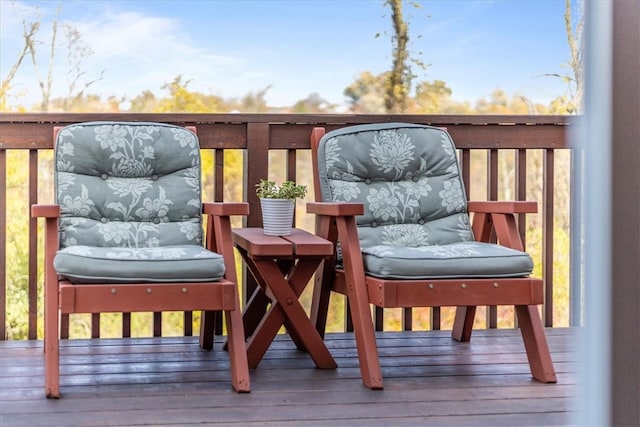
<point>391,198</point>
<point>126,235</point>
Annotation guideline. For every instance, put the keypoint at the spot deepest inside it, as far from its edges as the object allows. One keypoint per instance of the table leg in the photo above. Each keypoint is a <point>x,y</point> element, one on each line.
<point>287,307</point>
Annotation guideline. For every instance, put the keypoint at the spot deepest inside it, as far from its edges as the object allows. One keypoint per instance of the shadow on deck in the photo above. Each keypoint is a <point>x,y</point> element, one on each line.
<point>429,380</point>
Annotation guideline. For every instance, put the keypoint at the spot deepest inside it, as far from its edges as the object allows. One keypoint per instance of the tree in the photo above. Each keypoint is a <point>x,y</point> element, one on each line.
<point>182,100</point>
<point>313,103</point>
<point>366,93</point>
<point>431,97</point>
<point>400,77</point>
<point>571,102</point>
<point>144,102</point>
<point>252,102</point>
<point>399,83</point>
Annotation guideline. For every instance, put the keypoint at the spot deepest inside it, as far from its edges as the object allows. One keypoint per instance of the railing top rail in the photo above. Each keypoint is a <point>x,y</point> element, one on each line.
<point>475,119</point>
<point>291,131</point>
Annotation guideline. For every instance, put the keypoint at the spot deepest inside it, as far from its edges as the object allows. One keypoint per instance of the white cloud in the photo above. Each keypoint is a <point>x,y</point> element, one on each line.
<point>137,52</point>
<point>144,52</point>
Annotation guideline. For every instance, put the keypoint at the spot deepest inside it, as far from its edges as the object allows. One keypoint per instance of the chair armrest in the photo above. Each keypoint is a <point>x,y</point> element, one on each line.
<point>500,207</point>
<point>497,218</point>
<point>335,209</point>
<point>225,208</point>
<point>50,213</point>
<point>45,211</point>
<point>218,233</point>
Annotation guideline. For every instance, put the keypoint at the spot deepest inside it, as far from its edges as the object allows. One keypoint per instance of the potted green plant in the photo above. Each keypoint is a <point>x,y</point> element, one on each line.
<point>278,204</point>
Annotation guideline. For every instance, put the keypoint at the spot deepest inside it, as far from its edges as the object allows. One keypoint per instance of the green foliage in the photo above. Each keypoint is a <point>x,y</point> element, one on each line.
<point>266,189</point>
<point>184,101</point>
<point>366,93</point>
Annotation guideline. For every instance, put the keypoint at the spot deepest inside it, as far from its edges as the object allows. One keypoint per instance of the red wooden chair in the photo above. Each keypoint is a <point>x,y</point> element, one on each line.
<point>391,198</point>
<point>125,235</point>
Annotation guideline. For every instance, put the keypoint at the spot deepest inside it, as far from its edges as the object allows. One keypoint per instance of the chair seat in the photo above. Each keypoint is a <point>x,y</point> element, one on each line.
<point>180,263</point>
<point>454,260</point>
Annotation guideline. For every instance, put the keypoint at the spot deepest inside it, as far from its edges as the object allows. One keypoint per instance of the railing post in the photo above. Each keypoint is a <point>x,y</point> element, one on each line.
<point>256,166</point>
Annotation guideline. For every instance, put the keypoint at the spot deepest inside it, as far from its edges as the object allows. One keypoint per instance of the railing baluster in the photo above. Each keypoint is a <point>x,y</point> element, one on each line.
<point>126,325</point>
<point>218,196</point>
<point>187,323</point>
<point>547,236</point>
<point>465,160</point>
<point>521,194</point>
<point>33,247</point>
<point>577,210</point>
<point>436,318</point>
<point>64,326</point>
<point>3,245</point>
<point>157,323</point>
<point>218,175</point>
<point>407,319</point>
<point>492,184</point>
<point>521,189</point>
<point>95,325</point>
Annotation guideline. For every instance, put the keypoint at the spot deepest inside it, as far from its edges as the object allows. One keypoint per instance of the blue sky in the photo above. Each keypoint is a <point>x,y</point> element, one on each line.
<point>298,47</point>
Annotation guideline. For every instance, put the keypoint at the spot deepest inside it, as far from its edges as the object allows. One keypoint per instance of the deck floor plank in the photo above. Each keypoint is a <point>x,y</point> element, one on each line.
<point>429,380</point>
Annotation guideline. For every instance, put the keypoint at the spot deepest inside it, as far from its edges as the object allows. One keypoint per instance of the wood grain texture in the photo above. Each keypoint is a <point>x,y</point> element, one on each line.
<point>429,380</point>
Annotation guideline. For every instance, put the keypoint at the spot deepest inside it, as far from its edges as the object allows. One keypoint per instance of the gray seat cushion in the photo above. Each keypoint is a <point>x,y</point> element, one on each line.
<point>130,204</point>
<point>188,263</point>
<point>415,222</point>
<point>455,260</point>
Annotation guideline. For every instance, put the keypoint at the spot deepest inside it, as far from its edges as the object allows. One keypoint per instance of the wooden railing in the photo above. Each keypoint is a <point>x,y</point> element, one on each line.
<point>517,159</point>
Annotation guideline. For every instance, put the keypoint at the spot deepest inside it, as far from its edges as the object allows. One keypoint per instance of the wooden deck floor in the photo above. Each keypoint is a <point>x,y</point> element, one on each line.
<point>429,380</point>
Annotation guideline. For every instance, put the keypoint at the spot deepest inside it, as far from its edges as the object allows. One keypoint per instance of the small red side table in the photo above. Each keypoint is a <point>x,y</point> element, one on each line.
<point>282,266</point>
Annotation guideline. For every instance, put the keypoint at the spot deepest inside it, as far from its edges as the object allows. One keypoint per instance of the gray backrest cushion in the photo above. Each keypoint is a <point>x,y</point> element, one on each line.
<point>128,184</point>
<point>408,178</point>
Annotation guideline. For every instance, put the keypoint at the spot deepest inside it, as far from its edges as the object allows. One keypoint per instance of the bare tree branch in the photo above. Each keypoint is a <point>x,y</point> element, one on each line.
<point>29,36</point>
<point>574,39</point>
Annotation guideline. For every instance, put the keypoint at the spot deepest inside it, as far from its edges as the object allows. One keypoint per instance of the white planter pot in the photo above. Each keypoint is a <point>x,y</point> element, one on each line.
<point>277,216</point>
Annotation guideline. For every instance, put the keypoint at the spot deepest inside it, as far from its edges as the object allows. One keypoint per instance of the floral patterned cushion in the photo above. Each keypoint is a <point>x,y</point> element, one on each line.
<point>453,260</point>
<point>415,223</point>
<point>127,191</point>
<point>185,263</point>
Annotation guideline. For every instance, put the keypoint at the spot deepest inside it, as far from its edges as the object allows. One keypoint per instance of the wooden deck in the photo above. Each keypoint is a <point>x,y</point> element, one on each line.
<point>429,380</point>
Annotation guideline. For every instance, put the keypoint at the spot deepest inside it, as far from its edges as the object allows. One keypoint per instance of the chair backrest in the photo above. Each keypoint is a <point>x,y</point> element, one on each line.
<point>128,184</point>
<point>406,175</point>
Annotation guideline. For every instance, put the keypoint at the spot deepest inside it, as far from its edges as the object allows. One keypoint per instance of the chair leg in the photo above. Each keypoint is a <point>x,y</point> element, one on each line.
<point>535,343</point>
<point>368,357</point>
<point>358,302</point>
<point>237,351</point>
<point>463,323</point>
<point>51,344</point>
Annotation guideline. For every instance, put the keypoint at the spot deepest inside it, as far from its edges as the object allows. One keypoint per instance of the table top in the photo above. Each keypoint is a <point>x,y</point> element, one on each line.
<point>298,243</point>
